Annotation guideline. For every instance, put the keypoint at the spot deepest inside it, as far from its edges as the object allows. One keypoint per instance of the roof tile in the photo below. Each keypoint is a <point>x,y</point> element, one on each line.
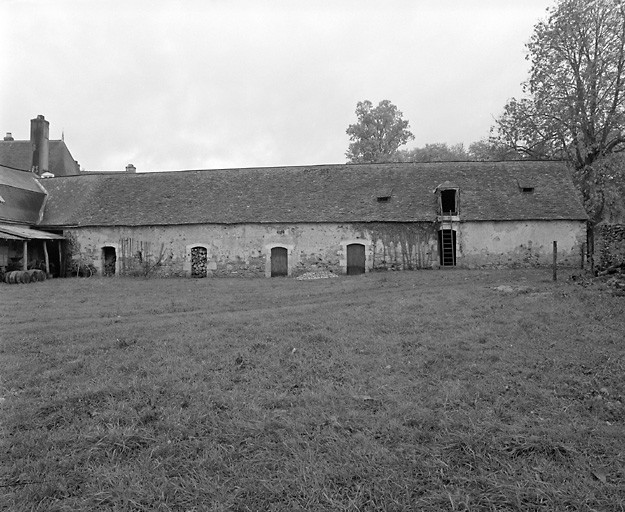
<point>325,193</point>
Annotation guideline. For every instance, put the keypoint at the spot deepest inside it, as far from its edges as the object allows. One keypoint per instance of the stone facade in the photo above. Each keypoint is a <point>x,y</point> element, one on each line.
<point>609,245</point>
<point>245,250</point>
<point>520,243</point>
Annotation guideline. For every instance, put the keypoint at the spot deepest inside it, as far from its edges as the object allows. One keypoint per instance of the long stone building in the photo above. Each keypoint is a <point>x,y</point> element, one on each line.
<point>285,221</point>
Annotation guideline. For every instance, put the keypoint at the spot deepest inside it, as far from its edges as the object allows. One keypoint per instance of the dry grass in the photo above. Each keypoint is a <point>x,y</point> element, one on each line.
<point>397,391</point>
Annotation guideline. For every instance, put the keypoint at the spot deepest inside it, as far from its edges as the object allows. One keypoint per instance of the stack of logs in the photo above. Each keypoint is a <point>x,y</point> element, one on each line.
<point>24,276</point>
<point>199,262</point>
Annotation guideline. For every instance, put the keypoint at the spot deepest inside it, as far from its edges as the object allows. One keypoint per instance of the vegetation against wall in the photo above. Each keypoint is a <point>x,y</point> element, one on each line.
<point>77,263</point>
<point>401,246</point>
<point>609,245</point>
<point>139,257</point>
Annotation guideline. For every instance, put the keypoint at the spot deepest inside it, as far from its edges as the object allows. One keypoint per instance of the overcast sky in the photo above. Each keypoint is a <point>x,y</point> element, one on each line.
<point>200,84</point>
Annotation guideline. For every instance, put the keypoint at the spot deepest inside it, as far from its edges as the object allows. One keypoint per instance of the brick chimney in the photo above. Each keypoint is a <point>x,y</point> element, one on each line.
<point>39,139</point>
<point>9,136</point>
<point>131,168</point>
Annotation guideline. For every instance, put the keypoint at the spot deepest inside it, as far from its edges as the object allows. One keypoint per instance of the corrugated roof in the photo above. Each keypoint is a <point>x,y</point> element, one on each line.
<point>324,193</point>
<point>25,233</point>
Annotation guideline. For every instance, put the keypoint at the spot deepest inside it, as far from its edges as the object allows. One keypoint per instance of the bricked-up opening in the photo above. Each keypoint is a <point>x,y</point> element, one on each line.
<point>449,203</point>
<point>447,247</point>
<point>199,262</point>
<point>109,260</point>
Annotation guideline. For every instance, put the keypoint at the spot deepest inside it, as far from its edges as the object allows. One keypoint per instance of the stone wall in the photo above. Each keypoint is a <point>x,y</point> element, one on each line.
<point>245,250</point>
<point>609,245</point>
<point>520,243</point>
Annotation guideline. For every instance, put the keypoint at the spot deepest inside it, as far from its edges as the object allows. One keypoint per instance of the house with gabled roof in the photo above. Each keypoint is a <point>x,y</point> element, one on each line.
<point>22,203</point>
<point>22,198</point>
<point>38,154</point>
<point>286,221</point>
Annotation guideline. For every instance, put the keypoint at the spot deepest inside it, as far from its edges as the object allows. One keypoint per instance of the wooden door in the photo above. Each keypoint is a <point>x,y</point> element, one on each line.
<point>355,259</point>
<point>279,262</point>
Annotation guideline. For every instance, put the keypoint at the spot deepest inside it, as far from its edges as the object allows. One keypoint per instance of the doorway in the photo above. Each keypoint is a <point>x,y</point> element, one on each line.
<point>279,262</point>
<point>109,261</point>
<point>355,259</point>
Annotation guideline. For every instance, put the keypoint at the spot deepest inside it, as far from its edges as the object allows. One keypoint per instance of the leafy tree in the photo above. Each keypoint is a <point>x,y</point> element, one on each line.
<point>377,134</point>
<point>575,104</point>
<point>435,152</point>
<point>602,185</point>
<point>491,150</point>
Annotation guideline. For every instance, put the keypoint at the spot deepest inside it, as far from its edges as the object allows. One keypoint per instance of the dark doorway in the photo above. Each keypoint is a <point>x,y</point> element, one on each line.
<point>279,262</point>
<point>355,259</point>
<point>447,247</point>
<point>109,258</point>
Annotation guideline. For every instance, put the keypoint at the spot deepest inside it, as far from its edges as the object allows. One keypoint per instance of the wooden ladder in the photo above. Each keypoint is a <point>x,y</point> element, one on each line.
<point>447,239</point>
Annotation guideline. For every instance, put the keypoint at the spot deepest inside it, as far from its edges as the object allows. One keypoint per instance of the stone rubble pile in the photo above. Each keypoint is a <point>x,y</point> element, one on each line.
<point>322,274</point>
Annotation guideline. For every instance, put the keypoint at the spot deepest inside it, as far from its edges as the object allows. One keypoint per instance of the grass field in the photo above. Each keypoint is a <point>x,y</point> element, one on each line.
<point>426,390</point>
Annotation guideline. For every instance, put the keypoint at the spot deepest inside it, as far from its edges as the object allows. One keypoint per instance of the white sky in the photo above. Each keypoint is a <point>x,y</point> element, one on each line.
<point>198,84</point>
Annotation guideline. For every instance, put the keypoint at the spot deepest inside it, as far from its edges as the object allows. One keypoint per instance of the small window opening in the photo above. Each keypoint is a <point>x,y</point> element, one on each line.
<point>449,205</point>
<point>527,190</point>
<point>384,199</point>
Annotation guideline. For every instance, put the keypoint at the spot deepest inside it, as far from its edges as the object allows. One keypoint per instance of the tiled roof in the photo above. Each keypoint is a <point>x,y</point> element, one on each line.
<point>323,193</point>
<point>21,197</point>
<point>18,154</point>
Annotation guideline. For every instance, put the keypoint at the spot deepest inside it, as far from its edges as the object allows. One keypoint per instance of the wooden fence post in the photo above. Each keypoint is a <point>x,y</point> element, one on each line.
<point>25,255</point>
<point>555,261</point>
<point>581,250</point>
<point>46,258</point>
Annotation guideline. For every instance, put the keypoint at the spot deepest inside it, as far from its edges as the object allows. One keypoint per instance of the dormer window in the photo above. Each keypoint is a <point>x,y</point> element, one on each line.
<point>384,194</point>
<point>526,186</point>
<point>449,203</point>
<point>447,199</point>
